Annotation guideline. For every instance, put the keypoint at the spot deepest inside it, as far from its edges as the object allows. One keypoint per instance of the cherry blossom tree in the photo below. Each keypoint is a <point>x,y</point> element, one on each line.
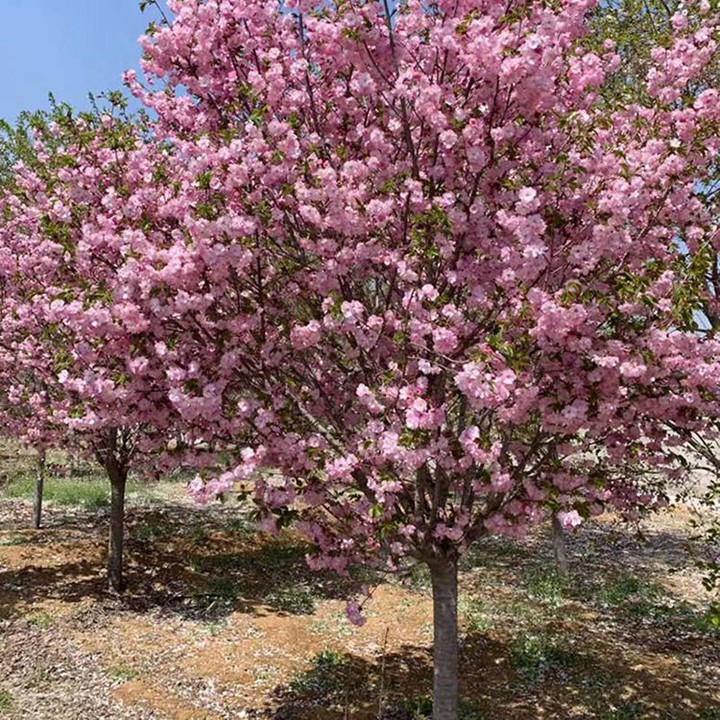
<point>421,267</point>
<point>74,368</point>
<point>637,29</point>
<point>407,255</point>
<point>18,416</point>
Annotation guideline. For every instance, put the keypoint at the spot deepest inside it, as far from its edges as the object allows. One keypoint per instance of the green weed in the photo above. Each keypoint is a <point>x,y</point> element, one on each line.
<point>41,621</point>
<point>151,531</point>
<point>548,587</point>
<point>535,656</point>
<point>474,614</point>
<point>626,710</point>
<point>123,673</point>
<point>7,702</point>
<point>296,600</point>
<point>624,588</point>
<point>326,679</point>
<point>421,709</point>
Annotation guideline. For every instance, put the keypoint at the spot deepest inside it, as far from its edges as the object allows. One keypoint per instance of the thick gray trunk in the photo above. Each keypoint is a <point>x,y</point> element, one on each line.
<point>118,480</point>
<point>39,486</point>
<point>445,642</point>
<point>558,540</point>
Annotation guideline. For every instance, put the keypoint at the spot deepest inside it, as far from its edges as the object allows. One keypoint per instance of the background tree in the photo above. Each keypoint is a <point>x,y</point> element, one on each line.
<point>68,328</point>
<point>20,419</point>
<point>638,29</point>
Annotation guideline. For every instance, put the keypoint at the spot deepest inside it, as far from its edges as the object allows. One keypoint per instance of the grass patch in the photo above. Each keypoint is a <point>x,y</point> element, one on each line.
<point>625,589</point>
<point>224,589</point>
<point>295,600</point>
<point>214,628</point>
<point>417,577</point>
<point>636,598</point>
<point>272,557</point>
<point>492,552</point>
<point>15,540</point>
<point>626,710</point>
<point>474,615</point>
<point>240,525</point>
<point>7,702</point>
<point>91,493</point>
<point>709,622</point>
<point>336,626</point>
<point>537,656</point>
<point>326,680</point>
<point>147,532</point>
<point>274,573</point>
<point>548,587</point>
<point>197,533</point>
<point>421,709</point>
<point>122,673</point>
<point>41,621</point>
<point>709,714</point>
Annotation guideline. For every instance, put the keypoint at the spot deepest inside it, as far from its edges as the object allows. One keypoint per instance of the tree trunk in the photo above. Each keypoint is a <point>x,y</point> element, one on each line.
<point>558,540</point>
<point>445,642</point>
<point>118,480</point>
<point>39,485</point>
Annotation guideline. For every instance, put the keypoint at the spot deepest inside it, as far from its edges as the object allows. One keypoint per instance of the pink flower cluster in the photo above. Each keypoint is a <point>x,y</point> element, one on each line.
<point>414,268</point>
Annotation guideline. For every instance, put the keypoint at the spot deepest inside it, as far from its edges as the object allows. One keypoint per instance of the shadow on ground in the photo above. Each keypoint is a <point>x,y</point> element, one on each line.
<point>494,686</point>
<point>183,560</point>
<point>612,644</point>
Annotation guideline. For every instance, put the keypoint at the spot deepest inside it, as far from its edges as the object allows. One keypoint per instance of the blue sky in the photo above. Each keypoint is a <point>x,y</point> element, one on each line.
<point>68,47</point>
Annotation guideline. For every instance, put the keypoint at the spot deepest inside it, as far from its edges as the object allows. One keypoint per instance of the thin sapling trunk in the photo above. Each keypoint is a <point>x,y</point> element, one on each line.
<point>445,644</point>
<point>40,470</point>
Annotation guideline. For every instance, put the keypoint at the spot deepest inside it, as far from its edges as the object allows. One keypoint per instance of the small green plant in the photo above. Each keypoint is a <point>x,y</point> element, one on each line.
<point>548,587</point>
<point>123,673</point>
<point>492,552</point>
<point>418,577</point>
<point>150,531</point>
<point>709,621</point>
<point>15,540</point>
<point>41,621</point>
<point>626,710</point>
<point>326,678</point>
<point>7,702</point>
<point>240,525</point>
<point>626,591</point>
<point>474,614</point>
<point>535,656</point>
<point>297,600</point>
<point>421,708</point>
<point>709,714</point>
<point>635,597</point>
<point>224,588</point>
<point>42,676</point>
<point>215,628</point>
<point>198,534</point>
<point>335,626</point>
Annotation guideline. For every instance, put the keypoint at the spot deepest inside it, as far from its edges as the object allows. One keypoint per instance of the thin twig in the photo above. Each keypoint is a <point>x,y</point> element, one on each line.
<point>381,700</point>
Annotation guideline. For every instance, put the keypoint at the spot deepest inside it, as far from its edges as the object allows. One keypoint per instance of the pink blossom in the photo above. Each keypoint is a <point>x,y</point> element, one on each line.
<point>569,519</point>
<point>354,614</point>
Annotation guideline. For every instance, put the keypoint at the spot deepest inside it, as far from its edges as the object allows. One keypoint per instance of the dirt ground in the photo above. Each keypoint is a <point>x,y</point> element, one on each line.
<point>221,622</point>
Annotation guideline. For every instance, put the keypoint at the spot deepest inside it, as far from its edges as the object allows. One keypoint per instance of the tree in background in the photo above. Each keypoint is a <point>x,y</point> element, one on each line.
<point>73,359</point>
<point>640,29</point>
<point>21,417</point>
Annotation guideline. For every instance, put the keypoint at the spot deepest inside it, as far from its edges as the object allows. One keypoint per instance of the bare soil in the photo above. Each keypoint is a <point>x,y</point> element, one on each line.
<point>222,622</point>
